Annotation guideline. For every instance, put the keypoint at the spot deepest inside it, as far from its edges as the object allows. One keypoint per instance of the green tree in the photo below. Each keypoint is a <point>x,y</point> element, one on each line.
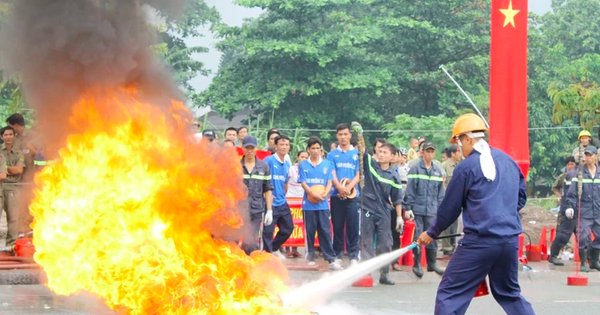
<point>434,128</point>
<point>321,62</point>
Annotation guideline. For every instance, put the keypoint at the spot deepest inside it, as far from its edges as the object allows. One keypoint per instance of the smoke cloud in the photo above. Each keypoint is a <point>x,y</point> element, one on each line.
<point>65,48</point>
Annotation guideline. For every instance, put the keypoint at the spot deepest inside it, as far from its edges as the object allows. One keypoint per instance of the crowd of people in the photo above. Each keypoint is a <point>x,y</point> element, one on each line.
<point>400,184</point>
<point>578,190</point>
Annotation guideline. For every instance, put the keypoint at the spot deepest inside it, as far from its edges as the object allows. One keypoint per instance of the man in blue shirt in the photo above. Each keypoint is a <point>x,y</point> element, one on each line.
<point>316,171</point>
<point>489,187</point>
<point>281,215</point>
<point>344,210</point>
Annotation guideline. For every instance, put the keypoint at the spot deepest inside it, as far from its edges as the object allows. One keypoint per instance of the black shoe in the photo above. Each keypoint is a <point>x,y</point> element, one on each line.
<point>432,262</point>
<point>595,255</point>
<point>583,254</point>
<point>555,261</point>
<point>385,280</point>
<point>417,270</point>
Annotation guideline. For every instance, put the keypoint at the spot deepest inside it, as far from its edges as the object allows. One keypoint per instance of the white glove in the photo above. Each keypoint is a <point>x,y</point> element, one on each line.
<point>409,215</point>
<point>399,224</point>
<point>269,217</point>
<point>570,213</point>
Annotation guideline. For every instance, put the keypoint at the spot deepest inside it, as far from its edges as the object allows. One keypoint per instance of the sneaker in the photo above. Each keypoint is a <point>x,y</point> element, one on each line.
<point>312,263</point>
<point>279,255</point>
<point>338,261</point>
<point>334,265</point>
<point>353,262</point>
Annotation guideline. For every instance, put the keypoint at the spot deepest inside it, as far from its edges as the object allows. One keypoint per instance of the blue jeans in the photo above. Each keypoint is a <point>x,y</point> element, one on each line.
<point>318,221</point>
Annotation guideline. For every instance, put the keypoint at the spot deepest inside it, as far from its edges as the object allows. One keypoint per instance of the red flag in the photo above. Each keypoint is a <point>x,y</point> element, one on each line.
<point>260,154</point>
<point>508,80</point>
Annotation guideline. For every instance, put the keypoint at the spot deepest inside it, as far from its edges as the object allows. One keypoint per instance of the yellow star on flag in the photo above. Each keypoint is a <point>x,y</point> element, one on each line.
<point>509,15</point>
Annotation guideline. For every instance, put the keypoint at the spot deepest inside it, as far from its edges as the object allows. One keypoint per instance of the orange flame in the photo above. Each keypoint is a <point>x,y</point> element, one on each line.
<point>131,211</point>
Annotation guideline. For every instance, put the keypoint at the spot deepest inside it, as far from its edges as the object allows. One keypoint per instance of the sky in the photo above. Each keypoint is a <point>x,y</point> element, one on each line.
<point>234,15</point>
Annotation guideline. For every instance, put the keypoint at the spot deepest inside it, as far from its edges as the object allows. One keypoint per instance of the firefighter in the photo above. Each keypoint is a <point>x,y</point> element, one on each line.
<point>587,209</point>
<point>257,178</point>
<point>382,184</point>
<point>585,138</point>
<point>566,227</point>
<point>424,192</point>
<point>490,188</point>
<point>15,166</point>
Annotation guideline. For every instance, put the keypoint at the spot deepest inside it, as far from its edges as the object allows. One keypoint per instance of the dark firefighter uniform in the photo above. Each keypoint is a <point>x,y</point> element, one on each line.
<point>258,182</point>
<point>590,214</point>
<point>380,186</point>
<point>491,226</point>
<point>566,227</point>
<point>424,192</point>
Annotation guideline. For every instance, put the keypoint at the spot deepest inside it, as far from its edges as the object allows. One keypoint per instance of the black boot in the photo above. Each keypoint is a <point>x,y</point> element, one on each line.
<point>431,255</point>
<point>417,265</point>
<point>383,277</point>
<point>554,250</point>
<point>583,255</point>
<point>594,263</point>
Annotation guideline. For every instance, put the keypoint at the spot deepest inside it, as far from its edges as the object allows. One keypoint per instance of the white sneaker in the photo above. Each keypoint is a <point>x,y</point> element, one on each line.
<point>312,263</point>
<point>353,262</point>
<point>338,261</point>
<point>335,265</point>
<point>279,255</point>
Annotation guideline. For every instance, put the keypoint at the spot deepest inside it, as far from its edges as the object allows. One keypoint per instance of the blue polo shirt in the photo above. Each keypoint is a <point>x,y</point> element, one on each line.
<point>279,177</point>
<point>346,165</point>
<point>315,175</point>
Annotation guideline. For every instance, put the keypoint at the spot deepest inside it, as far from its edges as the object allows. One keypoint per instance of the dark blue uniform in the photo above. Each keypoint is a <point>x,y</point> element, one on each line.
<point>566,227</point>
<point>491,226</point>
<point>257,183</point>
<point>590,207</point>
<point>381,186</point>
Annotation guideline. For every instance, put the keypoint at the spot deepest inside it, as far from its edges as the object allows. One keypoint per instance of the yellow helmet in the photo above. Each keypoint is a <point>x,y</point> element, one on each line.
<point>467,123</point>
<point>584,133</point>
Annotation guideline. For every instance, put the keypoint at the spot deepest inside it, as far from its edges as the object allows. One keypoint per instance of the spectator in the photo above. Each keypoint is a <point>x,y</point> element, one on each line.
<point>295,190</point>
<point>566,227</point>
<point>228,144</point>
<point>424,192</point>
<point>444,156</point>
<point>316,171</point>
<point>412,152</point>
<point>257,178</point>
<point>271,135</point>
<point>333,146</point>
<point>209,135</point>
<point>377,145</point>
<point>242,133</point>
<point>231,133</point>
<point>453,156</point>
<point>345,214</point>
<point>14,168</point>
<point>282,214</point>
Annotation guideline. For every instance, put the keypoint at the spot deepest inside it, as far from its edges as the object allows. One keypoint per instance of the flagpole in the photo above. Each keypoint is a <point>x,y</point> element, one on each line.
<point>465,94</point>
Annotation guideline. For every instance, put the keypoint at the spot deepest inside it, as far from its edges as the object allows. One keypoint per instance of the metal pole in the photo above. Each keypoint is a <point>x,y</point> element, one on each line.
<point>465,94</point>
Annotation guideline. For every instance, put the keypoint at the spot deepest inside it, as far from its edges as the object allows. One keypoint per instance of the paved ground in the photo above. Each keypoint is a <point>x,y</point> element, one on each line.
<point>547,291</point>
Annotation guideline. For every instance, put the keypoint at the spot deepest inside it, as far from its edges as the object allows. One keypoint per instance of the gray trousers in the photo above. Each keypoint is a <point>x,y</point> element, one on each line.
<point>375,236</point>
<point>11,206</point>
<point>422,224</point>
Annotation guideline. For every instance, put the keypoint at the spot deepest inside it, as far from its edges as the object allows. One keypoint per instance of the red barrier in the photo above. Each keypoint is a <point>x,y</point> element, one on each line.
<point>521,242</point>
<point>544,244</point>
<point>575,249</point>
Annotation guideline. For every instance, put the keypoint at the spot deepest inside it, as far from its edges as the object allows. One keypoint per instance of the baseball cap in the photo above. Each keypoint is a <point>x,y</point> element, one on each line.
<point>249,141</point>
<point>590,150</point>
<point>210,134</point>
<point>428,145</point>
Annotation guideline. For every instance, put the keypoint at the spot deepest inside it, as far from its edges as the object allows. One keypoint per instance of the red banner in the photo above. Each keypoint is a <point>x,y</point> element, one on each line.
<point>298,235</point>
<point>508,80</point>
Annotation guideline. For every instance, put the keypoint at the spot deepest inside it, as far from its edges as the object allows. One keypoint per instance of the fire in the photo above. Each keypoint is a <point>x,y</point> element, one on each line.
<point>133,210</point>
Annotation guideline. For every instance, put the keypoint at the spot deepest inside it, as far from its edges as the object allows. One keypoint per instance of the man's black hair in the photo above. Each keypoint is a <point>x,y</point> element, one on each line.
<point>300,152</point>
<point>231,128</point>
<point>240,129</point>
<point>570,159</point>
<point>378,140</point>
<point>342,126</point>
<point>284,137</point>
<point>312,141</point>
<point>451,149</point>
<point>3,130</point>
<point>390,147</point>
<point>16,119</point>
<point>272,131</point>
